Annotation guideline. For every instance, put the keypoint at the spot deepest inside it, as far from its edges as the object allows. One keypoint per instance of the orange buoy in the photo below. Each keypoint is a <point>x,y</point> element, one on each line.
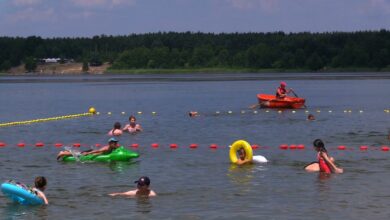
<point>213,146</point>
<point>134,145</point>
<point>300,146</point>
<point>21,144</point>
<point>2,144</point>
<point>255,147</point>
<point>293,147</point>
<point>385,148</point>
<point>363,148</point>
<point>154,145</point>
<point>341,147</point>
<point>283,146</point>
<point>173,146</point>
<point>39,144</point>
<point>76,145</point>
<point>193,146</point>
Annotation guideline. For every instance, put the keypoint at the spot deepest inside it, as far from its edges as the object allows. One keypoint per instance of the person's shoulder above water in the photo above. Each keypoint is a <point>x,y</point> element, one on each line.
<point>143,189</point>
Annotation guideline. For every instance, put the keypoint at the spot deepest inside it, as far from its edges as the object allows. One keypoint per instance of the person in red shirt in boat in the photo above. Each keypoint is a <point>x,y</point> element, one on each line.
<point>282,92</point>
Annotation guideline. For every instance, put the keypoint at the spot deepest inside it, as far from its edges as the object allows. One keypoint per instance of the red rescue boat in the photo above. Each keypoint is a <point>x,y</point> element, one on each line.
<point>270,101</point>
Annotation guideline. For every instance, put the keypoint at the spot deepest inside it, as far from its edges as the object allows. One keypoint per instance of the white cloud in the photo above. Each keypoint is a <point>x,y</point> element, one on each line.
<point>383,5</point>
<point>267,5</point>
<point>32,15</point>
<point>102,3</point>
<point>21,3</point>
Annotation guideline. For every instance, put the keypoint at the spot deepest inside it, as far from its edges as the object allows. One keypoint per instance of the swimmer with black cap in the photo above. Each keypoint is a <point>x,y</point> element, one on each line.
<point>143,189</point>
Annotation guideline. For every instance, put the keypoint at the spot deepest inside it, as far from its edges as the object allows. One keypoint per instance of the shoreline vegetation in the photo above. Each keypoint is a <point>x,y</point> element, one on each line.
<point>106,69</point>
<point>195,52</point>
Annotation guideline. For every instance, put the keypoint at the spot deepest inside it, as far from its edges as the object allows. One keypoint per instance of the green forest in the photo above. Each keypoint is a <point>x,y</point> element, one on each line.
<point>172,50</point>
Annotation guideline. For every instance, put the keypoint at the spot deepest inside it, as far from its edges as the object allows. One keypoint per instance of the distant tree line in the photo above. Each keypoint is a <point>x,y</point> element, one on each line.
<point>278,50</point>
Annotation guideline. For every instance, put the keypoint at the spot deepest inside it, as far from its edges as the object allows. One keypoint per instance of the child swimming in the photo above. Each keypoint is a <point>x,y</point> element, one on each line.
<point>132,127</point>
<point>325,163</point>
<point>116,131</point>
<point>143,189</point>
<point>241,157</point>
<point>40,185</point>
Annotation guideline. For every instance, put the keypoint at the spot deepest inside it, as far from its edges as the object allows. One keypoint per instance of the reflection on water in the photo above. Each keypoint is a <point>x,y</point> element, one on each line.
<point>144,204</point>
<point>17,211</point>
<point>121,167</point>
<point>241,174</point>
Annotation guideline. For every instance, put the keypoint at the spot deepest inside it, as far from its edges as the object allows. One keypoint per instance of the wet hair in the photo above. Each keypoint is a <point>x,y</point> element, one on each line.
<point>241,151</point>
<point>117,125</point>
<point>131,117</point>
<point>318,143</point>
<point>40,182</point>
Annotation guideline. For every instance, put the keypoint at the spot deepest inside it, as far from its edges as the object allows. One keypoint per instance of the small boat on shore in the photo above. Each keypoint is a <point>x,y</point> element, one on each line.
<point>270,101</point>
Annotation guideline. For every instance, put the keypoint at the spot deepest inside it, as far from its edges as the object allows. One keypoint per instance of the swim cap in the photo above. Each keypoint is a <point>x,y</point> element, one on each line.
<point>283,84</point>
<point>143,181</point>
<point>112,140</point>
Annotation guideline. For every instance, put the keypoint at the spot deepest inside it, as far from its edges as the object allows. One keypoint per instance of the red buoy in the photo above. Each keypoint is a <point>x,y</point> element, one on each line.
<point>341,147</point>
<point>255,147</point>
<point>134,145</point>
<point>293,147</point>
<point>173,146</point>
<point>154,145</point>
<point>2,144</point>
<point>283,146</point>
<point>58,145</point>
<point>76,145</point>
<point>39,144</point>
<point>300,146</point>
<point>385,148</point>
<point>363,148</point>
<point>98,145</point>
<point>193,146</point>
<point>213,146</point>
<point>21,144</point>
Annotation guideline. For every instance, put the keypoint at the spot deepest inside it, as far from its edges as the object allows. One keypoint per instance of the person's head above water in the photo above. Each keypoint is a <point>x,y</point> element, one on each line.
<point>283,84</point>
<point>311,117</point>
<point>143,182</point>
<point>40,182</point>
<point>117,125</point>
<point>241,154</point>
<point>112,142</point>
<point>132,119</point>
<point>319,145</point>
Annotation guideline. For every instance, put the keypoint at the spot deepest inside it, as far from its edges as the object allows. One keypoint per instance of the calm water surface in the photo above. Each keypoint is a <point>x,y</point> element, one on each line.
<point>199,183</point>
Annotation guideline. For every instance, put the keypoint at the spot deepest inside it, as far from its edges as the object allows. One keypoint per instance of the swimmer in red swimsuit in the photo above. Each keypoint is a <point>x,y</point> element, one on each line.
<point>325,163</point>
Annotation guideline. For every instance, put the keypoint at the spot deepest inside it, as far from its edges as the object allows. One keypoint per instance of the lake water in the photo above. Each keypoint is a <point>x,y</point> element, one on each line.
<point>200,183</point>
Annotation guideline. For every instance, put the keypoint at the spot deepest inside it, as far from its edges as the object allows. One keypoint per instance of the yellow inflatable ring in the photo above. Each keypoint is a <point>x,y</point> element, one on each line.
<point>236,146</point>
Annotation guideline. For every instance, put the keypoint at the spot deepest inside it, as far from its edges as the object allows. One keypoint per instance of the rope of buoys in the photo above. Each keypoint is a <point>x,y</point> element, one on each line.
<point>213,146</point>
<point>91,112</point>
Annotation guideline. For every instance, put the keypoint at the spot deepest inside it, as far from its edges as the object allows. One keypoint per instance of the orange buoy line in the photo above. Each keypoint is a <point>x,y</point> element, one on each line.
<point>212,146</point>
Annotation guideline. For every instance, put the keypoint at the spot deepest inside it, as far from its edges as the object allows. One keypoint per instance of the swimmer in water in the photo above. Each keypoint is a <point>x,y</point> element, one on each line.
<point>132,127</point>
<point>325,163</point>
<point>40,186</point>
<point>311,117</point>
<point>193,114</point>
<point>143,189</point>
<point>112,145</point>
<point>116,131</point>
<point>241,157</point>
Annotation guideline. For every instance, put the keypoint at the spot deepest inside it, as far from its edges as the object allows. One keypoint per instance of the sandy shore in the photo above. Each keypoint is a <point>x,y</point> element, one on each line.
<point>61,69</point>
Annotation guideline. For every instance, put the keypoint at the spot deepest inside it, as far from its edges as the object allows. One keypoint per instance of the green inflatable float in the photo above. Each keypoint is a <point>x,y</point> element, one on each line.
<point>119,154</point>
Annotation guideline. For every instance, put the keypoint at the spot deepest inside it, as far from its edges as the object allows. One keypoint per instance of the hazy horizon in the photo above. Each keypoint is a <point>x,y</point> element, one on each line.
<point>87,18</point>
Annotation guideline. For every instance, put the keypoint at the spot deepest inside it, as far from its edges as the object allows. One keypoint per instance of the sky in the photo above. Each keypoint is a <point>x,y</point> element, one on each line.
<point>86,18</point>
